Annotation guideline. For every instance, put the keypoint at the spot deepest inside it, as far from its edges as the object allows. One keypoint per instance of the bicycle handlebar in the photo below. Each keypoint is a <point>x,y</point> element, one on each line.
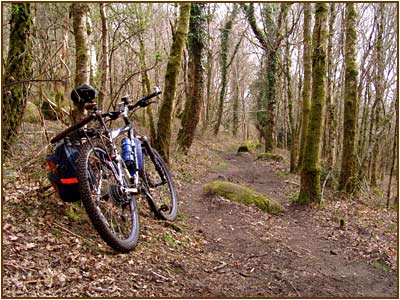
<point>112,114</point>
<point>144,101</point>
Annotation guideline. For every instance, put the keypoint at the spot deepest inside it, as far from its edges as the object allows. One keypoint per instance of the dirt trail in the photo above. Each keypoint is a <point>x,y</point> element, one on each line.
<point>295,254</point>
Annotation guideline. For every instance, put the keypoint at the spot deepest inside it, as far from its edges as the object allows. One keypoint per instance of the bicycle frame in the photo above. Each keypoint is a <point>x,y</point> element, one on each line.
<point>115,162</point>
<point>122,172</point>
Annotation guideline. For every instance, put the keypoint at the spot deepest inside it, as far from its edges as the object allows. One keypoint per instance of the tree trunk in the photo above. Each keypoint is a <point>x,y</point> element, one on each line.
<point>78,13</point>
<point>293,129</point>
<point>196,44</point>
<point>147,87</point>
<point>305,106</point>
<point>18,67</point>
<point>270,44</point>
<point>269,101</point>
<point>348,169</point>
<point>104,65</point>
<point>91,51</point>
<point>235,108</point>
<point>210,65</point>
<point>225,41</point>
<point>310,189</point>
<point>162,143</point>
<point>330,103</point>
<point>379,77</point>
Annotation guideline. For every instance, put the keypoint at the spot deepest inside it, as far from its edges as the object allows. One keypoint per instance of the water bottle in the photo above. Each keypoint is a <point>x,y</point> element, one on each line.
<point>127,154</point>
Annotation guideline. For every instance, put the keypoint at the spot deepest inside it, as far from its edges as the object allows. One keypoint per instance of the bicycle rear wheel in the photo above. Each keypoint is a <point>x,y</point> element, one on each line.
<point>113,213</point>
<point>159,187</point>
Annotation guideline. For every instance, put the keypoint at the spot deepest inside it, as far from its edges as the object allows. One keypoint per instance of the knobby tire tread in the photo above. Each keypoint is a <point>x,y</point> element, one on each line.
<point>91,208</point>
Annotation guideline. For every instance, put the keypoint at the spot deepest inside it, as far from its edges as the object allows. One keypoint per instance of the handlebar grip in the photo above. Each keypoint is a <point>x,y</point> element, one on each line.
<point>156,93</point>
<point>67,131</point>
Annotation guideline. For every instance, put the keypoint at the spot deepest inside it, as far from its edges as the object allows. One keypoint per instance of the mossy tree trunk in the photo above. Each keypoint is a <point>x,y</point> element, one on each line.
<point>196,44</point>
<point>163,140</point>
<point>270,101</point>
<point>310,188</point>
<point>270,41</point>
<point>306,94</point>
<point>78,14</point>
<point>235,107</point>
<point>331,119</point>
<point>17,70</point>
<point>292,123</point>
<point>225,42</point>
<point>348,168</point>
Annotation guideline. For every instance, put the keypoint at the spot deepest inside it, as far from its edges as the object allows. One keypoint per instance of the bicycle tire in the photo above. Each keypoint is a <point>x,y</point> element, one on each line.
<point>103,202</point>
<point>159,188</point>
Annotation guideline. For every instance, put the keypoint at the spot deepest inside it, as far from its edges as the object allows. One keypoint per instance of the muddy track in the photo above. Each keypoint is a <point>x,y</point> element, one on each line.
<point>294,254</point>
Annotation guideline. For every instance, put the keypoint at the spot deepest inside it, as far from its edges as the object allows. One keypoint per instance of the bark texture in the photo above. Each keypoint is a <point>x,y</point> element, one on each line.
<point>310,188</point>
<point>225,42</point>
<point>306,94</point>
<point>78,13</point>
<point>348,169</point>
<point>17,70</point>
<point>196,45</point>
<point>163,141</point>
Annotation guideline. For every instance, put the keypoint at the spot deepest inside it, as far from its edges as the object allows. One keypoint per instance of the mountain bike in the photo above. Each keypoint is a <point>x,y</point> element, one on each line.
<point>111,177</point>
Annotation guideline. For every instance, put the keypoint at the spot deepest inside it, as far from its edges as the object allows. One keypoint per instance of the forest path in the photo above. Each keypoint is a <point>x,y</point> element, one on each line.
<point>299,253</point>
<point>215,248</point>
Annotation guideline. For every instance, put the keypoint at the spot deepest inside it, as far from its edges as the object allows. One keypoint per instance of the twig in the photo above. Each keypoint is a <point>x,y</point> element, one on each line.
<point>69,231</point>
<point>103,290</point>
<point>256,256</point>
<point>161,276</point>
<point>33,80</point>
<point>297,292</point>
<point>220,266</point>
<point>292,182</point>
<point>323,185</point>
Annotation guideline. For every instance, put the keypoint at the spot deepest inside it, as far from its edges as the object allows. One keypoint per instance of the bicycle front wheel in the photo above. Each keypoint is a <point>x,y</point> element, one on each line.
<point>113,213</point>
<point>159,188</point>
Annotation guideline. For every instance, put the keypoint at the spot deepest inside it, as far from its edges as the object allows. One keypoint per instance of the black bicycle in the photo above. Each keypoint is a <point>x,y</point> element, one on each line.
<point>111,177</point>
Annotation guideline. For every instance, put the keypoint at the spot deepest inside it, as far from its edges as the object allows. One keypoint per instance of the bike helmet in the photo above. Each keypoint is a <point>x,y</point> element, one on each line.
<point>83,94</point>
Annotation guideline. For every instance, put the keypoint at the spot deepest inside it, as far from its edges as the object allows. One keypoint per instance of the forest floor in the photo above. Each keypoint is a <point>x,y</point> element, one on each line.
<point>216,248</point>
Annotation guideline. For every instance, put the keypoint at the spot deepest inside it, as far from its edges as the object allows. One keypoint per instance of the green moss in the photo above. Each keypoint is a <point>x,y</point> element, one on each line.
<point>244,195</point>
<point>378,193</point>
<point>270,156</point>
<point>72,215</point>
<point>293,196</point>
<point>169,240</point>
<point>76,213</point>
<point>31,113</point>
<point>381,266</point>
<point>283,173</point>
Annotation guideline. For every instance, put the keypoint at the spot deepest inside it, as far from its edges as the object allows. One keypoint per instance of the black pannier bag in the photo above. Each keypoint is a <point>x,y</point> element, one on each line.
<point>62,173</point>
